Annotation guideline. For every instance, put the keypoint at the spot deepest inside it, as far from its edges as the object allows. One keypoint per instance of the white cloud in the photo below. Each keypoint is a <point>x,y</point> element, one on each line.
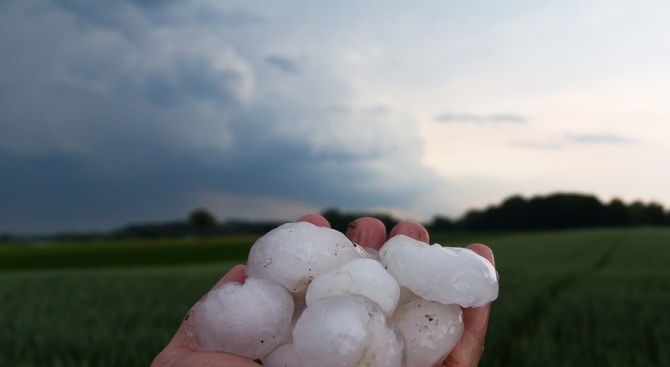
<point>474,118</point>
<point>603,138</point>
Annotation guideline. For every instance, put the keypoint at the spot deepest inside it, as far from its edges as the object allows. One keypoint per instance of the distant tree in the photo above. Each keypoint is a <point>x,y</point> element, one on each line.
<point>616,213</point>
<point>475,220</point>
<point>202,220</point>
<point>441,223</point>
<point>5,237</point>
<point>513,213</point>
<point>336,219</point>
<point>636,213</point>
<point>561,210</point>
<point>653,214</point>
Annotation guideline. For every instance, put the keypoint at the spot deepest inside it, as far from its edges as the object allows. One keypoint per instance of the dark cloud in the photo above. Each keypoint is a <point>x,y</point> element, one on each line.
<point>122,16</point>
<point>474,118</point>
<point>284,64</point>
<point>605,138</point>
<point>138,177</point>
<point>117,129</point>
<point>152,3</point>
<point>268,163</point>
<point>236,17</point>
<point>191,79</point>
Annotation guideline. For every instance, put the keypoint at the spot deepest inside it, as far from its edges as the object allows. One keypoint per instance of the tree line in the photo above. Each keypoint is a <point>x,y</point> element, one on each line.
<point>557,211</point>
<point>554,211</point>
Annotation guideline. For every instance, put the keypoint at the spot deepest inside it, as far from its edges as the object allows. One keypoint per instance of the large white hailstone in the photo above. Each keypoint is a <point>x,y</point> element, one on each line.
<point>431,329</point>
<point>283,356</point>
<point>295,253</point>
<point>365,277</point>
<point>444,274</point>
<point>347,331</point>
<point>367,252</point>
<point>249,319</point>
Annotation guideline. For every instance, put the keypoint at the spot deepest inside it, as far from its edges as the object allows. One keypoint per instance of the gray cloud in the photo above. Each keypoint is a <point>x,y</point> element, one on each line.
<point>475,118</point>
<point>128,18</point>
<point>604,138</point>
<point>284,64</point>
<point>118,129</point>
<point>569,139</point>
<point>192,79</point>
<point>237,17</point>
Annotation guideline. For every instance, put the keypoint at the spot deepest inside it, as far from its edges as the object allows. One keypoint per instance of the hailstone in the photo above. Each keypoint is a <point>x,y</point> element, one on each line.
<point>295,253</point>
<point>448,275</point>
<point>313,298</point>
<point>249,319</point>
<point>283,356</point>
<point>347,331</point>
<point>430,330</point>
<point>365,277</point>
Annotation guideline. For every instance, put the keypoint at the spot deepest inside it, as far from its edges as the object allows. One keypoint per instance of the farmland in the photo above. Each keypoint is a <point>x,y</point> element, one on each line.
<point>586,297</point>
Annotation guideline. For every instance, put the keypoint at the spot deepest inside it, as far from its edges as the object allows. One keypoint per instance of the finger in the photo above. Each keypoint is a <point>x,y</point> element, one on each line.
<point>483,251</point>
<point>236,274</point>
<point>367,232</point>
<point>470,347</point>
<point>215,360</point>
<point>180,339</point>
<point>411,229</point>
<point>316,219</point>
<point>188,358</point>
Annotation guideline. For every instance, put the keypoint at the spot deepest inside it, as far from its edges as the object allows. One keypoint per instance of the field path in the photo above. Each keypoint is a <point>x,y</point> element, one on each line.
<point>605,246</point>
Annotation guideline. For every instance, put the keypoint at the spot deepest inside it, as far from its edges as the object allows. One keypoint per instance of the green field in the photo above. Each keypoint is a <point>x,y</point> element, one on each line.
<point>569,298</point>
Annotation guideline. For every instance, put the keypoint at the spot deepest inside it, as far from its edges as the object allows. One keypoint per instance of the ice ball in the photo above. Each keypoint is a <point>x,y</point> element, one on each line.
<point>365,277</point>
<point>346,331</point>
<point>448,275</point>
<point>283,356</point>
<point>367,252</point>
<point>430,330</point>
<point>295,253</point>
<point>249,319</point>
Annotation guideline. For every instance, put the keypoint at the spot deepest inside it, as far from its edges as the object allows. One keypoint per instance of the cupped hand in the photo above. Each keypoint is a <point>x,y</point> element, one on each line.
<point>468,351</point>
<point>368,232</point>
<point>180,353</point>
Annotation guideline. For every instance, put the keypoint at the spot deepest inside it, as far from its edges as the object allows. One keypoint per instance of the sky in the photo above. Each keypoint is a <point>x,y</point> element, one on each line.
<point>140,111</point>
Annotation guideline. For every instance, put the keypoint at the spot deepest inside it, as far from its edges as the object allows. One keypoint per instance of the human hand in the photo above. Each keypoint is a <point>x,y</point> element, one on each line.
<point>180,353</point>
<point>368,232</point>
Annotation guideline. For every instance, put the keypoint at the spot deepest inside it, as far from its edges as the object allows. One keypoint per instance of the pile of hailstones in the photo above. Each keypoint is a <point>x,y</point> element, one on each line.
<point>313,298</point>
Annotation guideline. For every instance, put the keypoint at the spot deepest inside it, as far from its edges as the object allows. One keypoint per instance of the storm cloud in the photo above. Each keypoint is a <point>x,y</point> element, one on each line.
<point>127,111</point>
<point>136,110</point>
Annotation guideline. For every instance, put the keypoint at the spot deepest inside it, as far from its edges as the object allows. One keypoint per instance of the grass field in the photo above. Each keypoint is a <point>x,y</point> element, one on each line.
<point>569,298</point>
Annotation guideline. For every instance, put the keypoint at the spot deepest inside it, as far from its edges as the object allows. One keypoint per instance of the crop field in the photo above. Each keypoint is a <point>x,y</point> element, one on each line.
<point>569,298</point>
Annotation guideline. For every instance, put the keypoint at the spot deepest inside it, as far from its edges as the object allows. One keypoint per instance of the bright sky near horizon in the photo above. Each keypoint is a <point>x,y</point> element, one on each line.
<point>117,112</point>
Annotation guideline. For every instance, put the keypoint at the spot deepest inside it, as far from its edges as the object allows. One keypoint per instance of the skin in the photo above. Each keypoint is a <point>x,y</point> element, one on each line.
<point>366,231</point>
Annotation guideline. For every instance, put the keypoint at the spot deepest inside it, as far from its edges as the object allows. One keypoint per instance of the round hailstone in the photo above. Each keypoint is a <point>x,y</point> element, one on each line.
<point>295,253</point>
<point>249,319</point>
<point>431,329</point>
<point>443,274</point>
<point>367,252</point>
<point>365,277</point>
<point>283,356</point>
<point>346,331</point>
